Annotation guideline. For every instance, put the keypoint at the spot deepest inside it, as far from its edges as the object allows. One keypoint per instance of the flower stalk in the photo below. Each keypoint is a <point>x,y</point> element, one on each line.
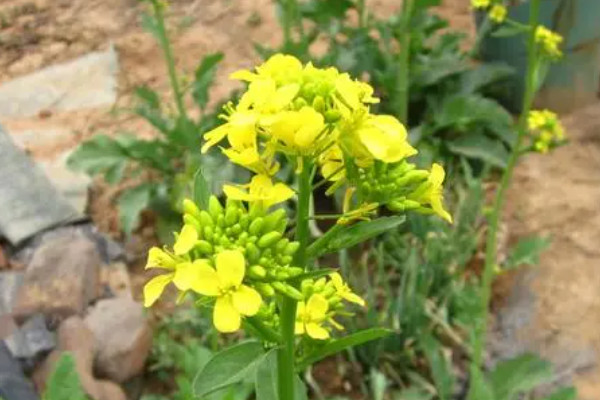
<point>404,70</point>
<point>494,218</point>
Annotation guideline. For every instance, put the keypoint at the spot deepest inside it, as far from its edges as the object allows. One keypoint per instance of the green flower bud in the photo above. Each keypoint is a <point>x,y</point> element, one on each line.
<point>231,216</point>
<point>291,248</point>
<point>265,261</point>
<point>208,232</point>
<point>285,260</point>
<point>189,207</point>
<point>252,252</point>
<point>319,104</point>
<point>214,207</point>
<point>269,239</point>
<point>299,103</point>
<point>256,226</point>
<point>189,219</point>
<point>288,290</point>
<point>295,271</point>
<point>272,220</point>
<point>332,116</point>
<point>307,287</point>
<point>206,219</point>
<point>224,241</point>
<point>221,221</point>
<point>204,247</point>
<point>257,272</point>
<point>281,245</point>
<point>244,221</point>
<point>328,291</point>
<point>266,290</point>
<point>236,229</point>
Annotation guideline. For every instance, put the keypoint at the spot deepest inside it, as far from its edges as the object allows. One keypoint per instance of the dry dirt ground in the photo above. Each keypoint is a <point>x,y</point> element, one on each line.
<point>553,194</point>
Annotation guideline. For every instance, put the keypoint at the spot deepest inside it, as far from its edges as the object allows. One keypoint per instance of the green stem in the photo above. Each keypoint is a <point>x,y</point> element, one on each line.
<point>288,8</point>
<point>491,241</point>
<point>362,13</point>
<point>286,355</point>
<point>165,44</point>
<point>404,72</point>
<point>482,32</point>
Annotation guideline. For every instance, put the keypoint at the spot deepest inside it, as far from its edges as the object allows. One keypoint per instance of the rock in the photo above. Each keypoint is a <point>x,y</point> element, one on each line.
<point>13,384</point>
<point>86,82</point>
<point>10,283</point>
<point>31,341</point>
<point>115,281</point>
<point>61,280</point>
<point>7,326</point>
<point>123,335</point>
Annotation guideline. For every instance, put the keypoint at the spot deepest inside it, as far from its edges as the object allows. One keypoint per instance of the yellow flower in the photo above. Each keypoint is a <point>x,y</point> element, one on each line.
<point>550,41</point>
<point>353,93</point>
<point>479,4</point>
<point>265,97</point>
<point>498,13</point>
<point>433,193</point>
<point>344,291</point>
<point>298,131</point>
<point>332,164</point>
<point>281,68</point>
<point>260,189</point>
<point>240,128</point>
<point>385,138</point>
<point>186,240</point>
<point>350,215</point>
<point>546,129</point>
<point>234,299</point>
<point>311,316</point>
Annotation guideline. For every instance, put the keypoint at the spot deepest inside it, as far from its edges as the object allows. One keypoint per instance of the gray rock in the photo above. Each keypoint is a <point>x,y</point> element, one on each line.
<point>13,384</point>
<point>61,280</point>
<point>31,341</point>
<point>86,82</point>
<point>123,335</point>
<point>10,283</point>
<point>29,203</point>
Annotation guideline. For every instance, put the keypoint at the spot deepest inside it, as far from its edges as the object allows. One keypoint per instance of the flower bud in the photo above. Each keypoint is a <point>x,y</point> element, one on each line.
<point>231,216</point>
<point>269,239</point>
<point>214,207</point>
<point>291,248</point>
<point>287,290</point>
<point>256,226</point>
<point>206,219</point>
<point>258,272</point>
<point>189,219</point>
<point>189,207</point>
<point>265,289</point>
<point>244,221</point>
<point>252,252</point>
<point>332,116</point>
<point>281,245</point>
<point>272,220</point>
<point>319,104</point>
<point>204,247</point>
<point>208,232</point>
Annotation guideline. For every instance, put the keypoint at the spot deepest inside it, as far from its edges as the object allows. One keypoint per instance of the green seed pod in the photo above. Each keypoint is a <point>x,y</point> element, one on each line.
<point>256,226</point>
<point>189,207</point>
<point>252,252</point>
<point>257,272</point>
<point>189,219</point>
<point>266,290</point>
<point>204,247</point>
<point>269,239</point>
<point>291,248</point>
<point>206,219</point>
<point>231,216</point>
<point>288,290</point>
<point>214,207</point>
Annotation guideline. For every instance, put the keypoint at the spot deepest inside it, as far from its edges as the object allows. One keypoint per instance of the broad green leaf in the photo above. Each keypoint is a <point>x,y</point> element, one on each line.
<point>519,375</point>
<point>64,383</point>
<point>131,203</point>
<point>148,96</point>
<point>464,112</point>
<point>185,133</point>
<point>229,366</point>
<point>341,237</point>
<point>507,30</point>
<point>527,251</point>
<point>441,370</point>
<point>265,384</point>
<point>481,76</point>
<point>201,190</point>
<point>337,345</point>
<point>568,393</point>
<point>149,109</point>
<point>479,146</point>
<point>205,74</point>
<point>479,388</point>
<point>97,155</point>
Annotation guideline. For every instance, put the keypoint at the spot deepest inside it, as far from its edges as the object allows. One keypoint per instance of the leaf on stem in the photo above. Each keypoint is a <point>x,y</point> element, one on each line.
<point>205,74</point>
<point>265,383</point>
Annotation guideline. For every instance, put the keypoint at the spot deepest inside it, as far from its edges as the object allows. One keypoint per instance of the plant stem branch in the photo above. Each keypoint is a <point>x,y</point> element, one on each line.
<point>402,90</point>
<point>286,355</point>
<point>494,219</point>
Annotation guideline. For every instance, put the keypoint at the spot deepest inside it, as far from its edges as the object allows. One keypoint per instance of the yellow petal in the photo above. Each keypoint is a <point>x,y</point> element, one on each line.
<point>235,193</point>
<point>231,268</point>
<point>337,280</point>
<point>158,258</point>
<point>243,75</point>
<point>437,175</point>
<point>317,307</point>
<point>353,298</point>
<point>208,282</point>
<point>215,136</point>
<point>280,193</point>
<point>246,300</point>
<point>284,96</point>
<point>186,240</point>
<point>225,317</point>
<point>299,328</point>
<point>260,185</point>
<point>316,331</point>
<point>155,287</point>
<point>313,124</point>
<point>185,274</point>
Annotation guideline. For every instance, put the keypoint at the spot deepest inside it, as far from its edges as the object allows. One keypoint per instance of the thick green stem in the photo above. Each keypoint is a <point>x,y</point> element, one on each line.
<point>494,219</point>
<point>402,91</point>
<point>165,44</point>
<point>286,354</point>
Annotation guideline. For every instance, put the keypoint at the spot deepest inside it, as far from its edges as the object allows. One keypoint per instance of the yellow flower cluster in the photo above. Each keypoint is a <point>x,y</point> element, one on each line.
<point>549,41</point>
<point>480,4</point>
<point>309,114</point>
<point>546,129</point>
<point>498,13</point>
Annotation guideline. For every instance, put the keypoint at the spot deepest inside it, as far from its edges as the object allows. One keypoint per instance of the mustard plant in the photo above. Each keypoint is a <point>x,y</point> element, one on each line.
<point>259,271</point>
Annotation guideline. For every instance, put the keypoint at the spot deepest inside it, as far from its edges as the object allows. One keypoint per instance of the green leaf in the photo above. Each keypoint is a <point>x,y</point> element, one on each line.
<point>265,384</point>
<point>568,393</point>
<point>441,369</point>
<point>97,155</point>
<point>314,274</point>
<point>229,366</point>
<point>519,375</point>
<point>479,388</point>
<point>337,345</point>
<point>507,30</point>
<point>64,383</point>
<point>479,146</point>
<point>149,109</point>
<point>201,190</point>
<point>131,203</point>
<point>205,74</point>
<point>378,385</point>
<point>527,251</point>
<point>148,22</point>
<point>465,112</point>
<point>341,237</point>
<point>413,393</point>
<point>478,78</point>
<point>185,133</point>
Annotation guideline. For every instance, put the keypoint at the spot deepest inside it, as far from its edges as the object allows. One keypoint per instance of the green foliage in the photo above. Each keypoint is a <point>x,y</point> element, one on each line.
<point>527,251</point>
<point>266,380</point>
<point>64,383</point>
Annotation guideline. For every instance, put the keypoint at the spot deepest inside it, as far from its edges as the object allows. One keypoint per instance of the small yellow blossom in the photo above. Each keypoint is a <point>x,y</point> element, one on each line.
<point>433,193</point>
<point>550,41</point>
<point>546,129</point>
<point>498,13</point>
<point>480,4</point>
<point>385,138</point>
<point>260,189</point>
<point>298,131</point>
<point>240,127</point>
<point>344,291</point>
<point>281,68</point>
<point>311,316</point>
